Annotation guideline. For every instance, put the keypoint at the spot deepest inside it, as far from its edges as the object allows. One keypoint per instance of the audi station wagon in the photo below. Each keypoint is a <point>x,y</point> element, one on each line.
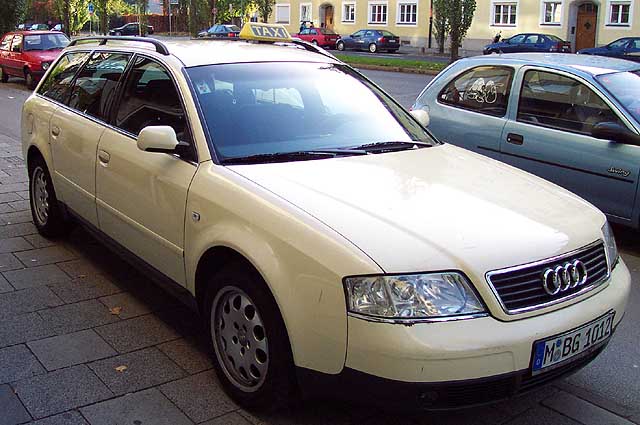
<point>331,244</point>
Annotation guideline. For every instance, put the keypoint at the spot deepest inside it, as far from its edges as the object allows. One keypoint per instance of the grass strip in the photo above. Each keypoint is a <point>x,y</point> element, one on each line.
<point>391,62</point>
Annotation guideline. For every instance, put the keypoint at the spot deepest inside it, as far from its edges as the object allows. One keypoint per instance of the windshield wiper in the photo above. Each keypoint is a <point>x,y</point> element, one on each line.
<point>394,145</point>
<point>293,156</point>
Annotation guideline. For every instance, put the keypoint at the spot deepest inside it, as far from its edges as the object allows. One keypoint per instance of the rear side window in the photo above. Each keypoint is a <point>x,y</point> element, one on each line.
<point>95,85</point>
<point>553,100</point>
<point>6,42</point>
<point>58,82</point>
<point>16,45</point>
<point>151,98</point>
<point>484,89</point>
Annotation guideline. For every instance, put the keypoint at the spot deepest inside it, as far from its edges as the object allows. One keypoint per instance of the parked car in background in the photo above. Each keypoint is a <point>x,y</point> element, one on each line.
<point>371,40</point>
<point>322,37</point>
<point>527,43</point>
<point>28,54</point>
<point>39,27</point>
<point>571,119</point>
<point>131,28</point>
<point>623,48</point>
<point>221,31</point>
<point>58,27</point>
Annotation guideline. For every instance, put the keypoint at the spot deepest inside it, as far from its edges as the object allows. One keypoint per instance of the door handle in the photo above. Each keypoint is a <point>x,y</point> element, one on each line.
<point>515,139</point>
<point>104,157</point>
<point>55,130</point>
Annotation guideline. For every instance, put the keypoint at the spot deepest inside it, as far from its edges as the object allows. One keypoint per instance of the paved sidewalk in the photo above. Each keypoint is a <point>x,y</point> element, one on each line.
<point>85,339</point>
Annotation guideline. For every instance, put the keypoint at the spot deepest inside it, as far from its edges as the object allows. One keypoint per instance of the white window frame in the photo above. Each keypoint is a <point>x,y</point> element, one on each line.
<point>343,16</point>
<point>621,25</point>
<point>283,5</point>
<point>399,15</point>
<point>309,7</point>
<point>543,13</point>
<point>370,9</point>
<point>503,3</point>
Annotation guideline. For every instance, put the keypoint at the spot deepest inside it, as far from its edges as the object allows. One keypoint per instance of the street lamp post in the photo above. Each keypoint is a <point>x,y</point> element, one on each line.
<point>430,23</point>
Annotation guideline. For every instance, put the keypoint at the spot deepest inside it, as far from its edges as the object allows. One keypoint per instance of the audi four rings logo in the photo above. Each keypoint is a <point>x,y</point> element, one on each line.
<point>565,277</point>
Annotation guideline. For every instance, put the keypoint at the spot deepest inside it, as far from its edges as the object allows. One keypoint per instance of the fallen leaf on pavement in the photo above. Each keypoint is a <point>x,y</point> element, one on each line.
<point>115,310</point>
<point>121,368</point>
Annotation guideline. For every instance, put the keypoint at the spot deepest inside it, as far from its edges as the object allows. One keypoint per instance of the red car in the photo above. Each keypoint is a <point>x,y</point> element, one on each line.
<point>28,54</point>
<point>319,36</point>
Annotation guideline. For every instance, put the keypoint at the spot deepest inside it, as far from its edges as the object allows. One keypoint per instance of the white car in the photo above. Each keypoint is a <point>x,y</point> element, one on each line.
<point>329,242</point>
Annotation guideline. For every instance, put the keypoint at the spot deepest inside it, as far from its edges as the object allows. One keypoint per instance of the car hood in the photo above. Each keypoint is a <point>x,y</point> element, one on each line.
<point>44,55</point>
<point>435,208</point>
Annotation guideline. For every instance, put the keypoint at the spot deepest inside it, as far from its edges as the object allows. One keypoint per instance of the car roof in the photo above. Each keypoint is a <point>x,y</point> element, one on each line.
<point>35,32</point>
<point>585,64</point>
<point>212,52</point>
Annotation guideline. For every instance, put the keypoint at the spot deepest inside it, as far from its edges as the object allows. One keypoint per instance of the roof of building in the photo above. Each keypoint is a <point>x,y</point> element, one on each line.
<point>588,64</point>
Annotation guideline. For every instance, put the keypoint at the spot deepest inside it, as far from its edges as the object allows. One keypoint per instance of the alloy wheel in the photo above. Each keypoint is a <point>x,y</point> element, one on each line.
<point>40,196</point>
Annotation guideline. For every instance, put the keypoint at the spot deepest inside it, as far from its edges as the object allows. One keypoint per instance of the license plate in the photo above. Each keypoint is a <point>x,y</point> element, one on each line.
<point>392,40</point>
<point>550,352</point>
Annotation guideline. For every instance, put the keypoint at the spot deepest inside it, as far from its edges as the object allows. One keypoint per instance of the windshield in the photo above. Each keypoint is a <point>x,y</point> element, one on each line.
<point>619,43</point>
<point>267,108</point>
<point>625,87</point>
<point>45,41</point>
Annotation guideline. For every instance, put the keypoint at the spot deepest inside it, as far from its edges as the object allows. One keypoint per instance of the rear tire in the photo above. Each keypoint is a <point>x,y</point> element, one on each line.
<point>253,357</point>
<point>340,46</point>
<point>30,81</point>
<point>373,48</point>
<point>4,77</point>
<point>45,210</point>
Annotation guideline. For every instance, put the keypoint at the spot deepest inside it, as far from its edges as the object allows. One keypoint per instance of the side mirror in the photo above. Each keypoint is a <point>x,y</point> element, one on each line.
<point>158,138</point>
<point>615,132</point>
<point>421,116</point>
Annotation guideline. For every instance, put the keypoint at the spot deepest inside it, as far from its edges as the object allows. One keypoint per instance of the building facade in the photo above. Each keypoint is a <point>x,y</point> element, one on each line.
<point>585,23</point>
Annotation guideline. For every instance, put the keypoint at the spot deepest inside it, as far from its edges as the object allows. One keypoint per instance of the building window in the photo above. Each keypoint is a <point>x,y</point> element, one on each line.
<point>620,13</point>
<point>378,13</point>
<point>305,12</point>
<point>348,12</point>
<point>407,13</point>
<point>505,14</point>
<point>282,13</point>
<point>551,12</point>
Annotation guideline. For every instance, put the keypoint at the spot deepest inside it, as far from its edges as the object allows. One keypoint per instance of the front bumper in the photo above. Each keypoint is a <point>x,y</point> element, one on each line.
<point>467,362</point>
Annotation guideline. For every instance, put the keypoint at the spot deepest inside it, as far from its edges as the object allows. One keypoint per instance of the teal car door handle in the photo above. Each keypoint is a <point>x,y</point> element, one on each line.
<point>515,139</point>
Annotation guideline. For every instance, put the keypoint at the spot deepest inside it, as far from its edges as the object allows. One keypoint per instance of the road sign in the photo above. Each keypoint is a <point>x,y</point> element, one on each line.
<point>91,9</point>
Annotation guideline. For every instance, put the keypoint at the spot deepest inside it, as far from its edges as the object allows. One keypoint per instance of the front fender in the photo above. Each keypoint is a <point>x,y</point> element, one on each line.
<point>35,128</point>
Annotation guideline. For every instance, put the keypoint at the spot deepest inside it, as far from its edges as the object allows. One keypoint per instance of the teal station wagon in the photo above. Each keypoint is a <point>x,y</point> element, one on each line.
<point>571,119</point>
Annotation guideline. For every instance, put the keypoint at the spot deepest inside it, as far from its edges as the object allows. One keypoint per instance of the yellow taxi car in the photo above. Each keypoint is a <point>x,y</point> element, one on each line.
<point>329,242</point>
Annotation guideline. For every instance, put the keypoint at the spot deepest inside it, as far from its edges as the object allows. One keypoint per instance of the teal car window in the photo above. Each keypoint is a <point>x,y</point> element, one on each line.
<point>625,87</point>
<point>484,89</point>
<point>553,100</point>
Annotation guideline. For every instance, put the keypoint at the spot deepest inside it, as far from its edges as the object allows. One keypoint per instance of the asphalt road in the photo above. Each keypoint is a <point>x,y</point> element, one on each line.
<point>611,382</point>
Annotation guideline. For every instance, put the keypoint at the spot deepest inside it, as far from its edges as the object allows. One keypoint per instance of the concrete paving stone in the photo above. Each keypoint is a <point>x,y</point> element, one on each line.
<point>5,286</point>
<point>14,179</point>
<point>99,261</point>
<point>20,229</point>
<point>27,300</point>
<point>228,419</point>
<point>14,244</point>
<point>145,368</point>
<point>61,390</point>
<point>129,305</point>
<point>319,412</point>
<point>16,159</point>
<point>18,363</point>
<point>23,328</point>
<point>42,256</point>
<point>199,396</point>
<point>141,408</point>
<point>36,276</point>
<point>84,288</point>
<point>39,241</point>
<point>134,334</point>
<point>70,349</point>
<point>10,197</point>
<point>6,208</point>
<point>72,417</point>
<point>189,354</point>
<point>20,205</point>
<point>611,404</point>
<point>15,217</point>
<point>8,261</point>
<point>540,415</point>
<point>81,267</point>
<point>11,410</point>
<point>78,316</point>
<point>24,194</point>
<point>182,318</point>
<point>13,187</point>
<point>582,411</point>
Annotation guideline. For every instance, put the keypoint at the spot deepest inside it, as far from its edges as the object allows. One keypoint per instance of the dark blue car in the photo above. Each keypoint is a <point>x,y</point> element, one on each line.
<point>527,43</point>
<point>371,40</point>
<point>623,48</point>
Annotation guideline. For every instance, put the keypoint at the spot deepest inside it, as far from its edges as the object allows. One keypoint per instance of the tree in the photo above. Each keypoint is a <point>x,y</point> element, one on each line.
<point>440,23</point>
<point>73,13</point>
<point>142,5</point>
<point>12,14</point>
<point>459,16</point>
<point>265,7</point>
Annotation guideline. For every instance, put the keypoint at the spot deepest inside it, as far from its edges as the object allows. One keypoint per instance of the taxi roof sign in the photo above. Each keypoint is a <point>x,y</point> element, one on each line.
<point>264,32</point>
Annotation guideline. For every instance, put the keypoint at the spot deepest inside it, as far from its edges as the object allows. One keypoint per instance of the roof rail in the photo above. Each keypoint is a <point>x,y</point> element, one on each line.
<point>311,47</point>
<point>160,46</point>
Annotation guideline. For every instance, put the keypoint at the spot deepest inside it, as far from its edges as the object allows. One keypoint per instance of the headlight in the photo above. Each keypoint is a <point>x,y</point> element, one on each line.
<point>610,245</point>
<point>45,65</point>
<point>412,296</point>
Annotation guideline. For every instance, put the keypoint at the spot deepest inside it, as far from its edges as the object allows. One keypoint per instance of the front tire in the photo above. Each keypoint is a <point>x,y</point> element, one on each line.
<point>314,42</point>
<point>252,349</point>
<point>45,210</point>
<point>340,46</point>
<point>373,47</point>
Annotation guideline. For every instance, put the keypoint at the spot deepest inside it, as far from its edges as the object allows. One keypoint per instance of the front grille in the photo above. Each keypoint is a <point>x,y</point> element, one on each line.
<point>520,289</point>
